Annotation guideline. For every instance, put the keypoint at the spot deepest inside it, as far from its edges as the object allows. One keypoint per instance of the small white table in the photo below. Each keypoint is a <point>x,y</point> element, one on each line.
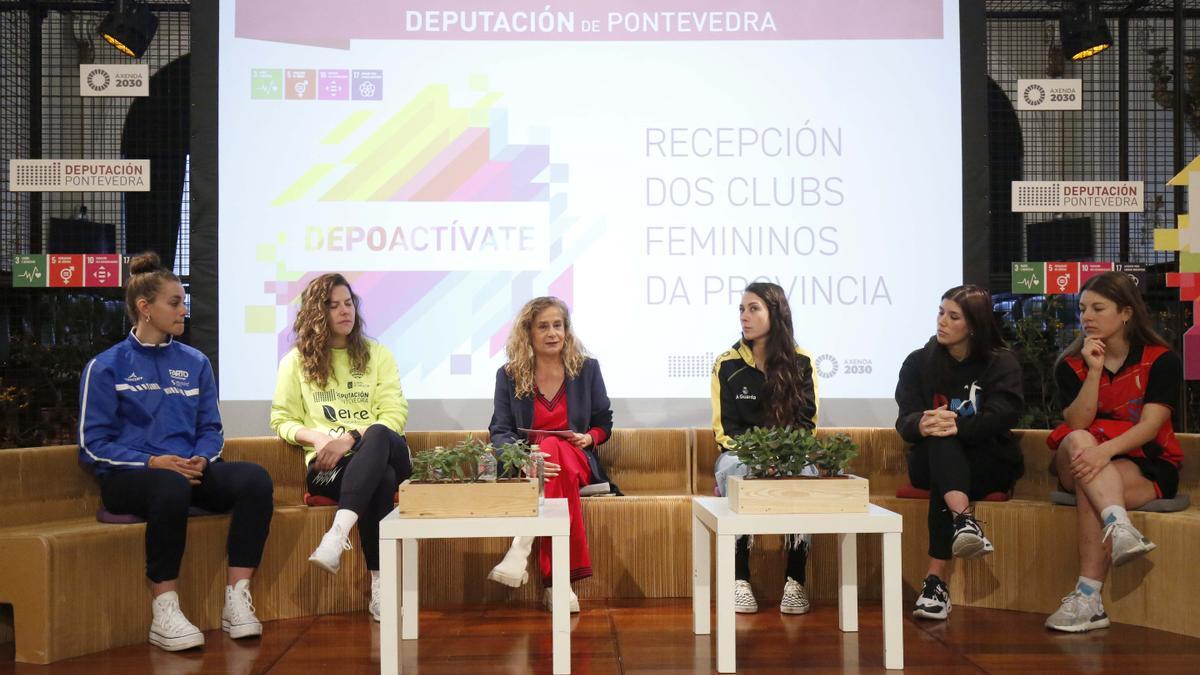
<point>398,542</point>
<point>712,515</point>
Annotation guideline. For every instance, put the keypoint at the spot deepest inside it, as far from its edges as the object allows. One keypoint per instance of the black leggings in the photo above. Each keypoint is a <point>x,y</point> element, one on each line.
<point>945,464</point>
<point>797,559</point>
<point>162,497</point>
<point>365,481</point>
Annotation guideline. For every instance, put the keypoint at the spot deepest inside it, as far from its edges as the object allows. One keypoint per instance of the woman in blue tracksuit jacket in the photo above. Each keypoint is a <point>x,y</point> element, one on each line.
<point>150,431</point>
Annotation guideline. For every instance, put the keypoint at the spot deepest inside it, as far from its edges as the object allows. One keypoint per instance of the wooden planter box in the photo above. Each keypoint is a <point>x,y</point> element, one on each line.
<point>509,497</point>
<point>801,494</point>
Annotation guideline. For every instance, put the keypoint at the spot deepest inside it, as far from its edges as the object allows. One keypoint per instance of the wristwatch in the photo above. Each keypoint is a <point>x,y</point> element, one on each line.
<point>355,435</point>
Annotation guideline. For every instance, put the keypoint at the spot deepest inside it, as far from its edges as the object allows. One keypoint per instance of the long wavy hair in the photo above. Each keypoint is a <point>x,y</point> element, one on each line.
<point>313,332</point>
<point>783,367</point>
<point>1118,288</point>
<point>976,305</point>
<point>520,345</point>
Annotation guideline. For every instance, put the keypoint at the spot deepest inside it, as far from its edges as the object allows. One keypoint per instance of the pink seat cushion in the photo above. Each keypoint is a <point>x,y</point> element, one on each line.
<point>318,500</point>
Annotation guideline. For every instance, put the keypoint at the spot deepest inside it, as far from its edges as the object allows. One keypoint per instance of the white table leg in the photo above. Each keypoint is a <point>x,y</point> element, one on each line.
<point>726,628</point>
<point>848,582</point>
<point>893,624</point>
<point>389,625</point>
<point>561,601</point>
<point>410,569</point>
<point>701,578</point>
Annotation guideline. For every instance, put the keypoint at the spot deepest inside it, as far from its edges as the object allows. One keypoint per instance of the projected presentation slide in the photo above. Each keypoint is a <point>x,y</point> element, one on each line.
<point>643,161</point>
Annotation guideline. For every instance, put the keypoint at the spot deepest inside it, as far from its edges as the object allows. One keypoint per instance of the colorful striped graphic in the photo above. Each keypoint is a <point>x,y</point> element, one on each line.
<point>430,151</point>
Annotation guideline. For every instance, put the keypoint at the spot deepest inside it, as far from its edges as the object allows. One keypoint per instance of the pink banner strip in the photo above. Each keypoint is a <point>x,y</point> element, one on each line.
<point>335,24</point>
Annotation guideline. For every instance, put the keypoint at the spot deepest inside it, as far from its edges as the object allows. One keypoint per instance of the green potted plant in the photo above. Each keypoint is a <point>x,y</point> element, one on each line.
<point>461,481</point>
<point>776,458</point>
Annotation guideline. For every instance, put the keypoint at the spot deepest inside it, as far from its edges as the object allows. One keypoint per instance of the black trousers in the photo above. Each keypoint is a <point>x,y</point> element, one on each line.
<point>944,464</point>
<point>162,497</point>
<point>365,482</point>
<point>797,560</point>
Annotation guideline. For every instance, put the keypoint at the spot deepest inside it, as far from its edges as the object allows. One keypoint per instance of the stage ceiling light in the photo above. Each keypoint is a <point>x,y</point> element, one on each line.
<point>1083,30</point>
<point>129,27</point>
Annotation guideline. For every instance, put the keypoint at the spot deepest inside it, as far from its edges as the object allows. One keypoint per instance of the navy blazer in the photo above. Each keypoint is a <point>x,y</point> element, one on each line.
<point>587,407</point>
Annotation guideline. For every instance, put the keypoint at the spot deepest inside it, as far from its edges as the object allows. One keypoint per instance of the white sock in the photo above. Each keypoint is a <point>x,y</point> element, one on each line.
<point>344,521</point>
<point>1089,587</point>
<point>1114,514</point>
<point>374,576</point>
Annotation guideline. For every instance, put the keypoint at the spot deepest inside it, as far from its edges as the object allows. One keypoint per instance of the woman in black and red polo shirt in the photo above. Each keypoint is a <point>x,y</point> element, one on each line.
<point>1118,383</point>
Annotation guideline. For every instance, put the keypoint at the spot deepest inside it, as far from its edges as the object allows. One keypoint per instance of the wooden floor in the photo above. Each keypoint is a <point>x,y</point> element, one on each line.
<point>655,636</point>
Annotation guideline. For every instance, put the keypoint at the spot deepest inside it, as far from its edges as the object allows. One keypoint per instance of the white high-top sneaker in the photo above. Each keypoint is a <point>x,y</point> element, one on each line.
<point>376,606</point>
<point>514,569</point>
<point>237,618</point>
<point>328,554</point>
<point>169,628</point>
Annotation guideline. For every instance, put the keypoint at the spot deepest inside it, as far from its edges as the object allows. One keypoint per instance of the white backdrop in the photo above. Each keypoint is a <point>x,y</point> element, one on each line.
<point>645,180</point>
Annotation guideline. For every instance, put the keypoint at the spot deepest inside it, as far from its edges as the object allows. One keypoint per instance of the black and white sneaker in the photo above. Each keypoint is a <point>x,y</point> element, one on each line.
<point>969,541</point>
<point>934,602</point>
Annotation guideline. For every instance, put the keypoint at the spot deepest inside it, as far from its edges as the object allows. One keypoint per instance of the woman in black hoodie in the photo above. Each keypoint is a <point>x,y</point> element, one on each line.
<point>959,397</point>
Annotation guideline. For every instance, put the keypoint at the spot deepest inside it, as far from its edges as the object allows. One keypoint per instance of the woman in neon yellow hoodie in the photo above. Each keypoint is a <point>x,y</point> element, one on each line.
<point>338,395</point>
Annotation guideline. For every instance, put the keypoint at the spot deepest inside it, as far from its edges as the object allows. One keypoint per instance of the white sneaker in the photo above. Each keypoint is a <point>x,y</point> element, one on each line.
<point>934,601</point>
<point>1079,613</point>
<point>376,606</point>
<point>969,541</point>
<point>743,597</point>
<point>513,570</point>
<point>1127,543</point>
<point>548,600</point>
<point>328,554</point>
<point>238,618</point>
<point>170,629</point>
<point>795,598</point>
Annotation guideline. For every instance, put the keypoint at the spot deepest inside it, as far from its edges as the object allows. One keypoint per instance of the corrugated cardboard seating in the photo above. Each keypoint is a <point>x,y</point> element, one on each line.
<point>77,586</point>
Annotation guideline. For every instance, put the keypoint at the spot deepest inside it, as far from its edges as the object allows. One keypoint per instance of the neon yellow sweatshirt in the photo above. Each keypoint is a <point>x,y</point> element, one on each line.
<point>350,400</point>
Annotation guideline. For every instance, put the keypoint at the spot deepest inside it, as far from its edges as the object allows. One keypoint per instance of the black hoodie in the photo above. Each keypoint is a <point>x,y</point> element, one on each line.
<point>986,393</point>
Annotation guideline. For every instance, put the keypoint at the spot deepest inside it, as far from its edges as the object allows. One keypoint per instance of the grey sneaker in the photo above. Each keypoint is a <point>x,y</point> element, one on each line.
<point>1079,613</point>
<point>795,598</point>
<point>1127,543</point>
<point>743,598</point>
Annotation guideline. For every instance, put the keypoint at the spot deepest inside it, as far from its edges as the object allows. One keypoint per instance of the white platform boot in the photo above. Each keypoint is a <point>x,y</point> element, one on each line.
<point>514,569</point>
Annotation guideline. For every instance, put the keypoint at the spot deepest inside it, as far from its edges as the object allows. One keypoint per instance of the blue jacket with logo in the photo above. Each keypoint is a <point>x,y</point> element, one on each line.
<point>137,401</point>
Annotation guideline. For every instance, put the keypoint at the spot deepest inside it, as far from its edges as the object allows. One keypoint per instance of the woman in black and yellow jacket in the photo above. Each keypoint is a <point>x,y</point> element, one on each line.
<point>764,380</point>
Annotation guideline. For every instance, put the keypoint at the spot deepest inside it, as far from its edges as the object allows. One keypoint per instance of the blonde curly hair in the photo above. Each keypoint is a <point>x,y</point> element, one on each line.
<point>312,330</point>
<point>520,345</point>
